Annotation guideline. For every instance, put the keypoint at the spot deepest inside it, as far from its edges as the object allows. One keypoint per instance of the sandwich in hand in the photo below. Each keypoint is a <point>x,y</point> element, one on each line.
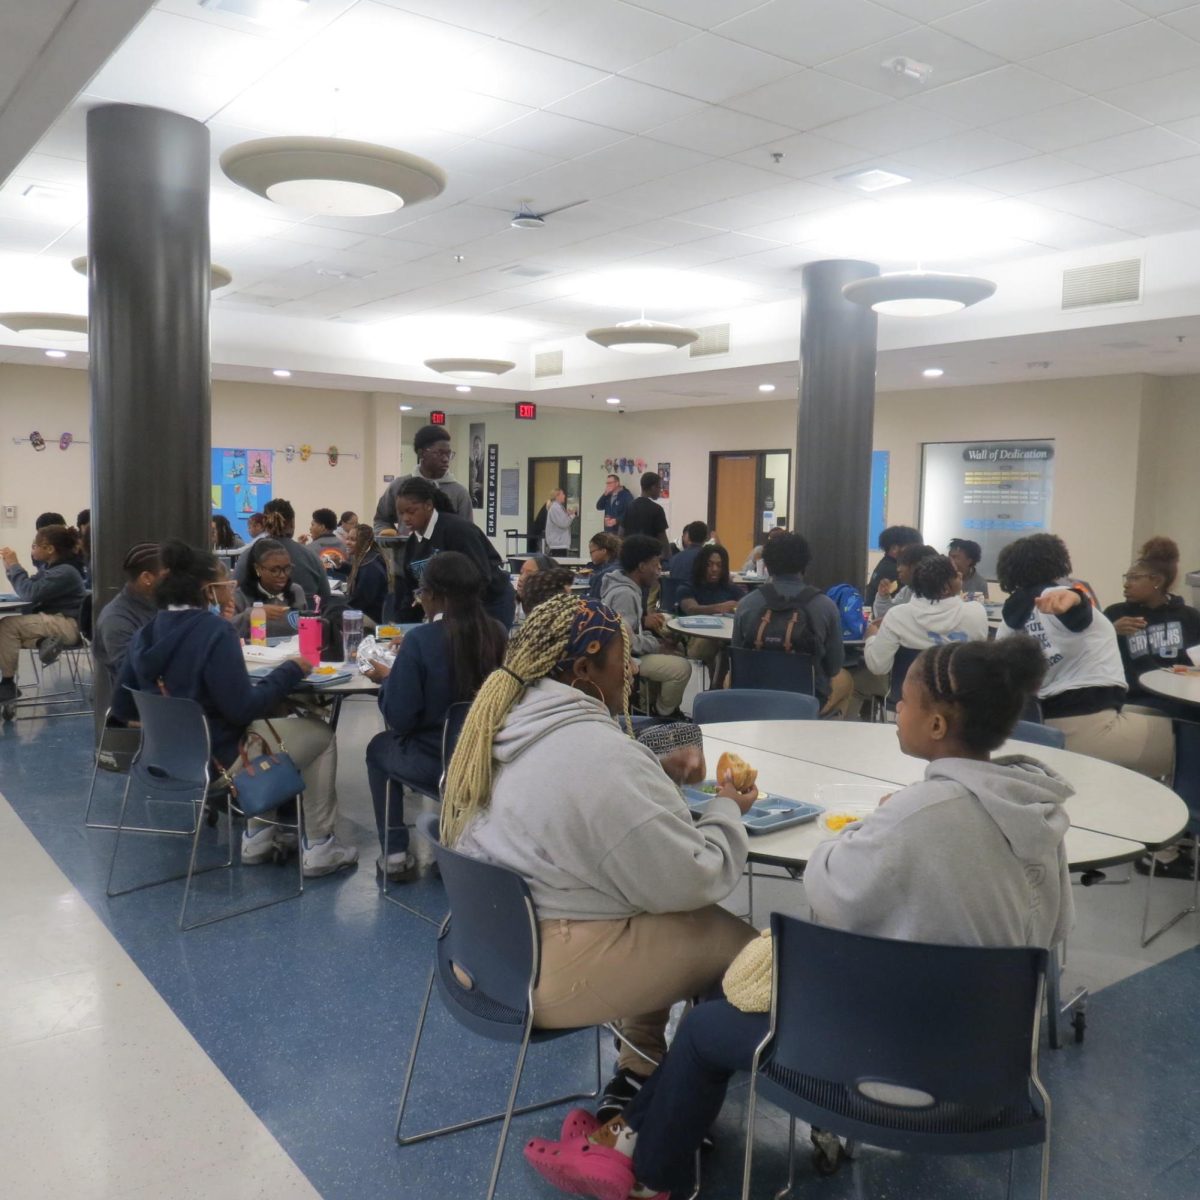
<point>733,766</point>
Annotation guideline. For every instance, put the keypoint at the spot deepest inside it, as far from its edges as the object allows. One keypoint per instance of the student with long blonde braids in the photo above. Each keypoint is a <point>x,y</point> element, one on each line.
<point>625,882</point>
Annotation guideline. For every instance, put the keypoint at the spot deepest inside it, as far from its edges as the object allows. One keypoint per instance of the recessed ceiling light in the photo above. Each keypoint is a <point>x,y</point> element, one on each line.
<point>872,179</point>
<point>766,387</point>
<point>405,407</point>
<point>55,353</point>
<point>280,373</point>
<point>933,372</point>
<point>462,387</point>
<point>46,191</point>
<point>613,400</point>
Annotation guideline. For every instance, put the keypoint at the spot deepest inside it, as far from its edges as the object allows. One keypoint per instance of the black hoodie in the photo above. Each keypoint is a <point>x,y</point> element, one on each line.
<point>1170,630</point>
<point>197,656</point>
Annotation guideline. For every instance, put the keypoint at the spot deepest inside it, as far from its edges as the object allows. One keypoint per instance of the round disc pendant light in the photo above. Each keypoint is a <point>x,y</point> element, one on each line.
<point>919,293</point>
<point>643,337</point>
<point>470,368</point>
<point>48,327</point>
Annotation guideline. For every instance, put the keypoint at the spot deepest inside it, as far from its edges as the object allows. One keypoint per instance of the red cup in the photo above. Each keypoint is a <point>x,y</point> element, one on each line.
<point>310,639</point>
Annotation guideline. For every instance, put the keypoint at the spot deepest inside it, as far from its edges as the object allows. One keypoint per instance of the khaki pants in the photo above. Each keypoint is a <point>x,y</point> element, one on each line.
<point>1130,739</point>
<point>631,971</point>
<point>313,748</point>
<point>19,632</point>
<point>671,672</point>
<point>867,685</point>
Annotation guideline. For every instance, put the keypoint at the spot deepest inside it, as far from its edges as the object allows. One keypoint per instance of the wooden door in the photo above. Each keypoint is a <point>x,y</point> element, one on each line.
<point>735,518</point>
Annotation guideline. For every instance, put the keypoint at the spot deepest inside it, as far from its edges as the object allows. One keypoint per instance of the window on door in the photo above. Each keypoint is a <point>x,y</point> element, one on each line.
<point>546,477</point>
<point>748,493</point>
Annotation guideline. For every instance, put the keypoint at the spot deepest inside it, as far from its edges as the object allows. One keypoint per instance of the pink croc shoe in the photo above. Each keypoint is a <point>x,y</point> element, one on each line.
<point>582,1169</point>
<point>578,1123</point>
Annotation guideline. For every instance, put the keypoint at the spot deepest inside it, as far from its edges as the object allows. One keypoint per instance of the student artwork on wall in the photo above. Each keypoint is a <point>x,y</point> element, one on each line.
<point>990,492</point>
<point>241,483</point>
<point>664,473</point>
<point>881,465</point>
<point>624,466</point>
<point>475,467</point>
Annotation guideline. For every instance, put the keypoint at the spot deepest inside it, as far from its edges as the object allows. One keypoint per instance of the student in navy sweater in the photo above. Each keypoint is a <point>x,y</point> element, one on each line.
<point>440,663</point>
<point>367,582</point>
<point>190,650</point>
<point>435,529</point>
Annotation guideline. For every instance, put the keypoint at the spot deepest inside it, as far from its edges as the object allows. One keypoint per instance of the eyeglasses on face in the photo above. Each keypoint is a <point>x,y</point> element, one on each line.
<point>441,451</point>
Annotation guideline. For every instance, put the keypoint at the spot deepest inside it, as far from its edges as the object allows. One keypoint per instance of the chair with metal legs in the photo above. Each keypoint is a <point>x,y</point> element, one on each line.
<point>456,714</point>
<point>902,1045</point>
<point>115,752</point>
<point>486,969</point>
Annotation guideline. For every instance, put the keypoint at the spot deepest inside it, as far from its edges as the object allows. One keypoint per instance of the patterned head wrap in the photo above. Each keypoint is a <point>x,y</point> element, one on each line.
<point>593,626</point>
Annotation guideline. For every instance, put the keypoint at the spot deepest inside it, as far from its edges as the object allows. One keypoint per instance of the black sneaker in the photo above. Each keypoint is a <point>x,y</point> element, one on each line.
<point>618,1093</point>
<point>1182,866</point>
<point>8,690</point>
<point>49,648</point>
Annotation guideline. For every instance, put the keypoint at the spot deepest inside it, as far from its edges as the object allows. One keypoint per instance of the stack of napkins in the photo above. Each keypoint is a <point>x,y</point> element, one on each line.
<point>273,655</point>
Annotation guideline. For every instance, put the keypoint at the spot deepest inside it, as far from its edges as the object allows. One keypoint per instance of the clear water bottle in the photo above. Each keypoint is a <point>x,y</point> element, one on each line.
<point>352,632</point>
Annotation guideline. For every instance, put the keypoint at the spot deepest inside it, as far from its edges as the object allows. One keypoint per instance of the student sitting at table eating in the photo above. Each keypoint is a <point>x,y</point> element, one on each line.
<point>540,586</point>
<point>53,597</point>
<point>440,663</point>
<point>190,650</point>
<point>531,566</point>
<point>427,513</point>
<point>131,608</point>
<point>965,555</point>
<point>973,855</point>
<point>816,629</point>
<point>891,541</point>
<point>754,564</point>
<point>367,583</point>
<point>269,583</point>
<point>221,535</point>
<point>936,613</point>
<point>695,534</point>
<point>658,659</point>
<point>899,590</point>
<point>1155,629</point>
<point>279,522</point>
<point>710,591</point>
<point>1084,690</point>
<point>627,885</point>
<point>605,552</point>
<point>347,523</point>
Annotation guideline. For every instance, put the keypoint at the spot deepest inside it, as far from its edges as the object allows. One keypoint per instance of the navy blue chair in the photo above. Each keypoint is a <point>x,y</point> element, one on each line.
<point>668,591</point>
<point>486,967</point>
<point>754,704</point>
<point>771,670</point>
<point>905,657</point>
<point>1032,712</point>
<point>1186,784</point>
<point>1041,735</point>
<point>456,714</point>
<point>906,1046</point>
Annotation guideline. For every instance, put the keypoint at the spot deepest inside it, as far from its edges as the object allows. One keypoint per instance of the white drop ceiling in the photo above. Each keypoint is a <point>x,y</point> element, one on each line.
<point>706,136</point>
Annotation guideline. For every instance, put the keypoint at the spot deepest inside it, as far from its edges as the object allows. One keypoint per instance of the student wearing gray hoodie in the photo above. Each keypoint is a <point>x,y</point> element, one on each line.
<point>972,855</point>
<point>626,883</point>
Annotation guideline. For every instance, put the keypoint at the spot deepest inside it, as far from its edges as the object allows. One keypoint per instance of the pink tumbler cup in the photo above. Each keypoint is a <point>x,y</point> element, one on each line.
<point>310,639</point>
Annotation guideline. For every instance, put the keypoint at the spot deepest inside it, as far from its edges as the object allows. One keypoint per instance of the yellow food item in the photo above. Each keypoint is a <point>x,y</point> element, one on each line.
<point>325,671</point>
<point>743,773</point>
<point>836,822</point>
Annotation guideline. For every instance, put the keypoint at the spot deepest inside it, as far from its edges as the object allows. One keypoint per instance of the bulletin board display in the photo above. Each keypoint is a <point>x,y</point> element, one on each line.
<point>990,492</point>
<point>881,466</point>
<point>241,483</point>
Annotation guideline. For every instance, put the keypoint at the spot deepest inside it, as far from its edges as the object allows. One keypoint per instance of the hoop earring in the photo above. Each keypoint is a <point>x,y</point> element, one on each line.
<point>591,683</point>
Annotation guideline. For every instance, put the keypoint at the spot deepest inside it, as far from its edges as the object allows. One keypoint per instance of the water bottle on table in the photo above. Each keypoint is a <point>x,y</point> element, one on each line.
<point>258,625</point>
<point>352,633</point>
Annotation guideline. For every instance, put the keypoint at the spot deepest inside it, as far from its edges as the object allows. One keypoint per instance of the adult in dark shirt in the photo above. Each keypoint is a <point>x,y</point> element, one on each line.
<point>439,664</point>
<point>645,516</point>
<point>435,529</point>
<point>891,541</point>
<point>613,503</point>
<point>1154,628</point>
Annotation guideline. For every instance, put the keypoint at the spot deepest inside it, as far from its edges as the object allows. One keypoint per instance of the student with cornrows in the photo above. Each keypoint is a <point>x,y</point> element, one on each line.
<point>627,885</point>
<point>972,855</point>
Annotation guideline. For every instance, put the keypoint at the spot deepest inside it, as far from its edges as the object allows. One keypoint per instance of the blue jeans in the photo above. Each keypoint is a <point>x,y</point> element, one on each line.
<point>678,1104</point>
<point>389,756</point>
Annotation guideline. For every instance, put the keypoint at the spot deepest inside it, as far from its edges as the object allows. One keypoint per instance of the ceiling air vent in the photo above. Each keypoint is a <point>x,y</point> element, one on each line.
<point>1105,283</point>
<point>714,339</point>
<point>547,364</point>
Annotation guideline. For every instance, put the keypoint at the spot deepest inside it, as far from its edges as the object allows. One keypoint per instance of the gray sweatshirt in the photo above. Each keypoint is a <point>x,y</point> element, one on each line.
<point>612,837</point>
<point>118,621</point>
<point>971,856</point>
<point>624,597</point>
<point>558,527</point>
<point>385,510</point>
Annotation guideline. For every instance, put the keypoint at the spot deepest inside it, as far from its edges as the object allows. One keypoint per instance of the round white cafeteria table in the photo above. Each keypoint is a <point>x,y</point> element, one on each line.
<point>1184,686</point>
<point>1108,799</point>
<point>722,634</point>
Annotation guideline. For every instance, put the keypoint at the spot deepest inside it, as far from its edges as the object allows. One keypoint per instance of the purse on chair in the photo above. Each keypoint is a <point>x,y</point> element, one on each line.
<point>265,782</point>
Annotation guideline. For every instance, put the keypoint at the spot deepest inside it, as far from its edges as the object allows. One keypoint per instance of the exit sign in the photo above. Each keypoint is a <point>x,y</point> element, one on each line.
<point>526,411</point>
<point>437,417</point>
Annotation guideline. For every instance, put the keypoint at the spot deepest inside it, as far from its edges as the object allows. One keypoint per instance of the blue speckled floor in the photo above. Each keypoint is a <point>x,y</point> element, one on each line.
<point>308,1009</point>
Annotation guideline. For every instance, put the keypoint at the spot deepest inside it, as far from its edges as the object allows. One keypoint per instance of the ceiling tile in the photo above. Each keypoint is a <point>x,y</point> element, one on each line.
<point>492,164</point>
<point>483,16</point>
<point>926,10</point>
<point>527,76</point>
<point>601,33</point>
<point>555,135</point>
<point>455,226</point>
<point>700,185</point>
<point>1186,20</point>
<point>320,237</point>
<point>1127,56</point>
<point>950,58</point>
<point>1114,202</point>
<point>670,231</point>
<point>804,154</point>
<point>625,104</point>
<point>816,30</point>
<point>891,129</point>
<point>1029,175</point>
<point>719,131</point>
<point>703,14</point>
<point>1128,151</point>
<point>1008,91</point>
<point>959,153</point>
<point>1017,29</point>
<point>1158,8</point>
<point>807,99</point>
<point>1162,99</point>
<point>1070,124</point>
<point>711,68</point>
<point>1179,180</point>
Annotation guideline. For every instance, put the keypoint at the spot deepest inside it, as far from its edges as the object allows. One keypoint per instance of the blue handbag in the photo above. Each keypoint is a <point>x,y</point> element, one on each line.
<point>265,782</point>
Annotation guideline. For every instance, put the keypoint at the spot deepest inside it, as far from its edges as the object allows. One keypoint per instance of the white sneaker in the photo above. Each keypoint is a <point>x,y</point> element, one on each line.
<point>323,858</point>
<point>401,867</point>
<point>259,846</point>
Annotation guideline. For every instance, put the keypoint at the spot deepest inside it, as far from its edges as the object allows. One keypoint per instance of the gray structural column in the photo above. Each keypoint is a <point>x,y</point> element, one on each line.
<point>148,293</point>
<point>836,422</point>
